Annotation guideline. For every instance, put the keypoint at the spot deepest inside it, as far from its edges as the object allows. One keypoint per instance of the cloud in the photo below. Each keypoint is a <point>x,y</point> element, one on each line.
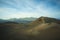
<point>29,8</point>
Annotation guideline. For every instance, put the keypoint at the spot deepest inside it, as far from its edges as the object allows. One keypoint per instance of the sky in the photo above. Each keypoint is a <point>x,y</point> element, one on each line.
<point>29,8</point>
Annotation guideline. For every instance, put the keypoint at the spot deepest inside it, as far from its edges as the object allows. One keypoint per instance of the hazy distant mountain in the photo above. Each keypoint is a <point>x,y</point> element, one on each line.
<point>2,21</point>
<point>28,19</point>
<point>19,20</point>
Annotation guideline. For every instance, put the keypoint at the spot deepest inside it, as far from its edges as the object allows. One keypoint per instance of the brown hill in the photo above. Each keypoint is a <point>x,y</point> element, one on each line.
<point>44,28</point>
<point>44,20</point>
<point>43,23</point>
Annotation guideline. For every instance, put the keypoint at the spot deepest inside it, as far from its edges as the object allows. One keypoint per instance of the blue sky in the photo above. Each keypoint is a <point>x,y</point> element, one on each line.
<point>29,8</point>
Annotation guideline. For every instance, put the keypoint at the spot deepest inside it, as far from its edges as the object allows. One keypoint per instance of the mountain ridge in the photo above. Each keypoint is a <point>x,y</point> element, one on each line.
<point>45,20</point>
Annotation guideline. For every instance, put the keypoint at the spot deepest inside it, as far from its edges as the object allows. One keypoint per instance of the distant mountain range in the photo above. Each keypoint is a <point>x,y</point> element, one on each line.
<point>19,20</point>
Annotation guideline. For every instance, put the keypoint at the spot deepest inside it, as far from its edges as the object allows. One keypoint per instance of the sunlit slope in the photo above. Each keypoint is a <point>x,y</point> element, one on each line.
<point>43,26</point>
